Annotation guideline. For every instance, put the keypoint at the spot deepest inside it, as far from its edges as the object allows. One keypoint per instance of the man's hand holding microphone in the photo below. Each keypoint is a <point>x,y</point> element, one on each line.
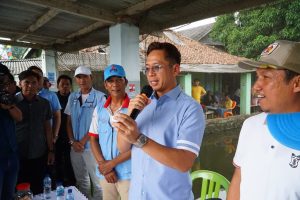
<point>125,124</point>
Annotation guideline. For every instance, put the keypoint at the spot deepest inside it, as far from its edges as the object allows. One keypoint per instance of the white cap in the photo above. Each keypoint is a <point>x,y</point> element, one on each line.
<point>82,70</point>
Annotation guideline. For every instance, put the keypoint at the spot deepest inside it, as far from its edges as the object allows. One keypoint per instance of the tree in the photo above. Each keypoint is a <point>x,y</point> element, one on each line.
<point>248,32</point>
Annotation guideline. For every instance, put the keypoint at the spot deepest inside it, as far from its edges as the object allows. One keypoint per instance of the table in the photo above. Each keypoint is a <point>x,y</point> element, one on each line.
<point>77,194</point>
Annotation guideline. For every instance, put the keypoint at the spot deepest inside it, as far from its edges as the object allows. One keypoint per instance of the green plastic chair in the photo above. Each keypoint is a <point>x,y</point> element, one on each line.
<point>211,183</point>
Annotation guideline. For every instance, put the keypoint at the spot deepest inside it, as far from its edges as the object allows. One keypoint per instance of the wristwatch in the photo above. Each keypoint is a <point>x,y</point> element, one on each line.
<point>71,142</point>
<point>141,141</point>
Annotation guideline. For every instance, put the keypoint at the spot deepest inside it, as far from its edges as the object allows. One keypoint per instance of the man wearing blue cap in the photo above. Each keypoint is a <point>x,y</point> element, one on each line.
<point>268,153</point>
<point>80,108</point>
<point>114,168</point>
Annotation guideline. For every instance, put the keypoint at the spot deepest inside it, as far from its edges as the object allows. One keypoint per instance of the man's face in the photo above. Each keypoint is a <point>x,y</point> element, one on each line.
<point>29,86</point>
<point>6,84</point>
<point>84,81</point>
<point>64,86</point>
<point>12,87</point>
<point>115,86</point>
<point>163,79</point>
<point>274,93</point>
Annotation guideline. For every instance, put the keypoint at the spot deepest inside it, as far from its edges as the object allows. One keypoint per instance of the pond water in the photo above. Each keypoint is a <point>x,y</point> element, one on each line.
<point>218,148</point>
<point>217,152</point>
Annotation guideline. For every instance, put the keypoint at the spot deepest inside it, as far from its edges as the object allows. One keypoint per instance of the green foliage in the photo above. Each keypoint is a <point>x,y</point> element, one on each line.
<point>249,32</point>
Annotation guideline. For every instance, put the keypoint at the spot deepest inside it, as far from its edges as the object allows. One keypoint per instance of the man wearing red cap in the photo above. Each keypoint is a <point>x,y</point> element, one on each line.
<point>268,152</point>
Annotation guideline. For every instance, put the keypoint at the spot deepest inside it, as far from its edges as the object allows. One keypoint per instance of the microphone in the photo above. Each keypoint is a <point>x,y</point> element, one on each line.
<point>147,91</point>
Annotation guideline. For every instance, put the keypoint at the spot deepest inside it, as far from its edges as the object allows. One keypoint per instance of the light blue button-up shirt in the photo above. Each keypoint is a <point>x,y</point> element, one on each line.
<point>52,98</point>
<point>174,120</point>
<point>81,116</point>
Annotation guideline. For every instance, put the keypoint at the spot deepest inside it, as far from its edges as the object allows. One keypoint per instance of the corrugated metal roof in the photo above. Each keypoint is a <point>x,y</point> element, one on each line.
<point>71,25</point>
<point>16,66</point>
<point>69,62</point>
<point>65,62</point>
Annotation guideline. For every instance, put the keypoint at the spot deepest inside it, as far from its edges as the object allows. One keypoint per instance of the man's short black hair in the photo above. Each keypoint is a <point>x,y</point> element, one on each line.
<point>11,77</point>
<point>64,77</point>
<point>172,53</point>
<point>4,69</point>
<point>28,73</point>
<point>32,68</point>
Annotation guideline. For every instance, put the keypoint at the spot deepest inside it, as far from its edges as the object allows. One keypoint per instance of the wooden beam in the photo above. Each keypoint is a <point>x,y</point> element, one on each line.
<point>39,23</point>
<point>21,32</point>
<point>76,9</point>
<point>87,29</point>
<point>140,7</point>
<point>23,44</point>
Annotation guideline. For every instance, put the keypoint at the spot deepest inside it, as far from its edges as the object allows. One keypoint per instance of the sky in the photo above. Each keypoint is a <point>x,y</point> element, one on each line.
<point>194,24</point>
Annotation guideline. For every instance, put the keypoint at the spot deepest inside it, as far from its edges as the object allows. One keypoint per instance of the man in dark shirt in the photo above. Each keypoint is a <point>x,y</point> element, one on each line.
<point>64,170</point>
<point>9,163</point>
<point>34,135</point>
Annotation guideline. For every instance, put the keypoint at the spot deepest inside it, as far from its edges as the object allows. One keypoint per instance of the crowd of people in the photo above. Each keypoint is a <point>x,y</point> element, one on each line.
<point>89,139</point>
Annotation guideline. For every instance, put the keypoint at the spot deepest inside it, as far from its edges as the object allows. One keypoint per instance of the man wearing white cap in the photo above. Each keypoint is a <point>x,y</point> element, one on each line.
<point>268,153</point>
<point>80,108</point>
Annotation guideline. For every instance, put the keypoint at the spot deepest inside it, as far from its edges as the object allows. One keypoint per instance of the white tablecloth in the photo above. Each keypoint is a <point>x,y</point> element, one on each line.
<point>77,194</point>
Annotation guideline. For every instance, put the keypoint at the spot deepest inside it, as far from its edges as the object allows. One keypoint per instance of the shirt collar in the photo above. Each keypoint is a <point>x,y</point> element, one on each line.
<point>173,94</point>
<point>78,94</point>
<point>19,96</point>
<point>124,105</point>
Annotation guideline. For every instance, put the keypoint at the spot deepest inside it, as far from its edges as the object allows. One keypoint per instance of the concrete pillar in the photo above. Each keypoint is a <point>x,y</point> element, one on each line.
<point>185,82</point>
<point>245,96</point>
<point>124,50</point>
<point>49,67</point>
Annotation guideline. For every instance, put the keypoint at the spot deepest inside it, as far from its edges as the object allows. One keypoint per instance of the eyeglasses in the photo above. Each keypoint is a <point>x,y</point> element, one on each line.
<point>155,68</point>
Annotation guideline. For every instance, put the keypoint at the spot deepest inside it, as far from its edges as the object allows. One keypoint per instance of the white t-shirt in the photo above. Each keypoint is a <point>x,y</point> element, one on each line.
<point>269,170</point>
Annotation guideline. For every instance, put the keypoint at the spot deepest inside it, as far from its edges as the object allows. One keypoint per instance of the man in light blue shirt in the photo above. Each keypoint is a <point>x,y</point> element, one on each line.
<point>80,108</point>
<point>166,136</point>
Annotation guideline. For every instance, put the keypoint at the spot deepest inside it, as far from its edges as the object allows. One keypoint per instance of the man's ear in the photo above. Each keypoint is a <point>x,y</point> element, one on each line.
<point>176,69</point>
<point>296,84</point>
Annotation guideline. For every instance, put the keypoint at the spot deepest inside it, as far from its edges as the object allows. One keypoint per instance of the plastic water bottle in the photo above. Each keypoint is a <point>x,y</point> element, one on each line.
<point>47,187</point>
<point>70,195</point>
<point>60,191</point>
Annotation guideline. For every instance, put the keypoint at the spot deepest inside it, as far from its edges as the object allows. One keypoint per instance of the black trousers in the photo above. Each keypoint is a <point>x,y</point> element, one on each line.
<point>33,171</point>
<point>63,167</point>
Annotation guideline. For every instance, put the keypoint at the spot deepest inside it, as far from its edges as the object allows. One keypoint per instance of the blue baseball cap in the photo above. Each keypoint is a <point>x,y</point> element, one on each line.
<point>114,70</point>
<point>285,128</point>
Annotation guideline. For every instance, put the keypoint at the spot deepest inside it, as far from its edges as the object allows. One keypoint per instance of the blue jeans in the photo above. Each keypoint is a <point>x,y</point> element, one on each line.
<point>8,176</point>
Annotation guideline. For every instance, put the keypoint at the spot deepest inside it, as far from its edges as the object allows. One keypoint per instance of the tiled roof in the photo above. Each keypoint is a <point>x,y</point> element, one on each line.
<point>195,56</point>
